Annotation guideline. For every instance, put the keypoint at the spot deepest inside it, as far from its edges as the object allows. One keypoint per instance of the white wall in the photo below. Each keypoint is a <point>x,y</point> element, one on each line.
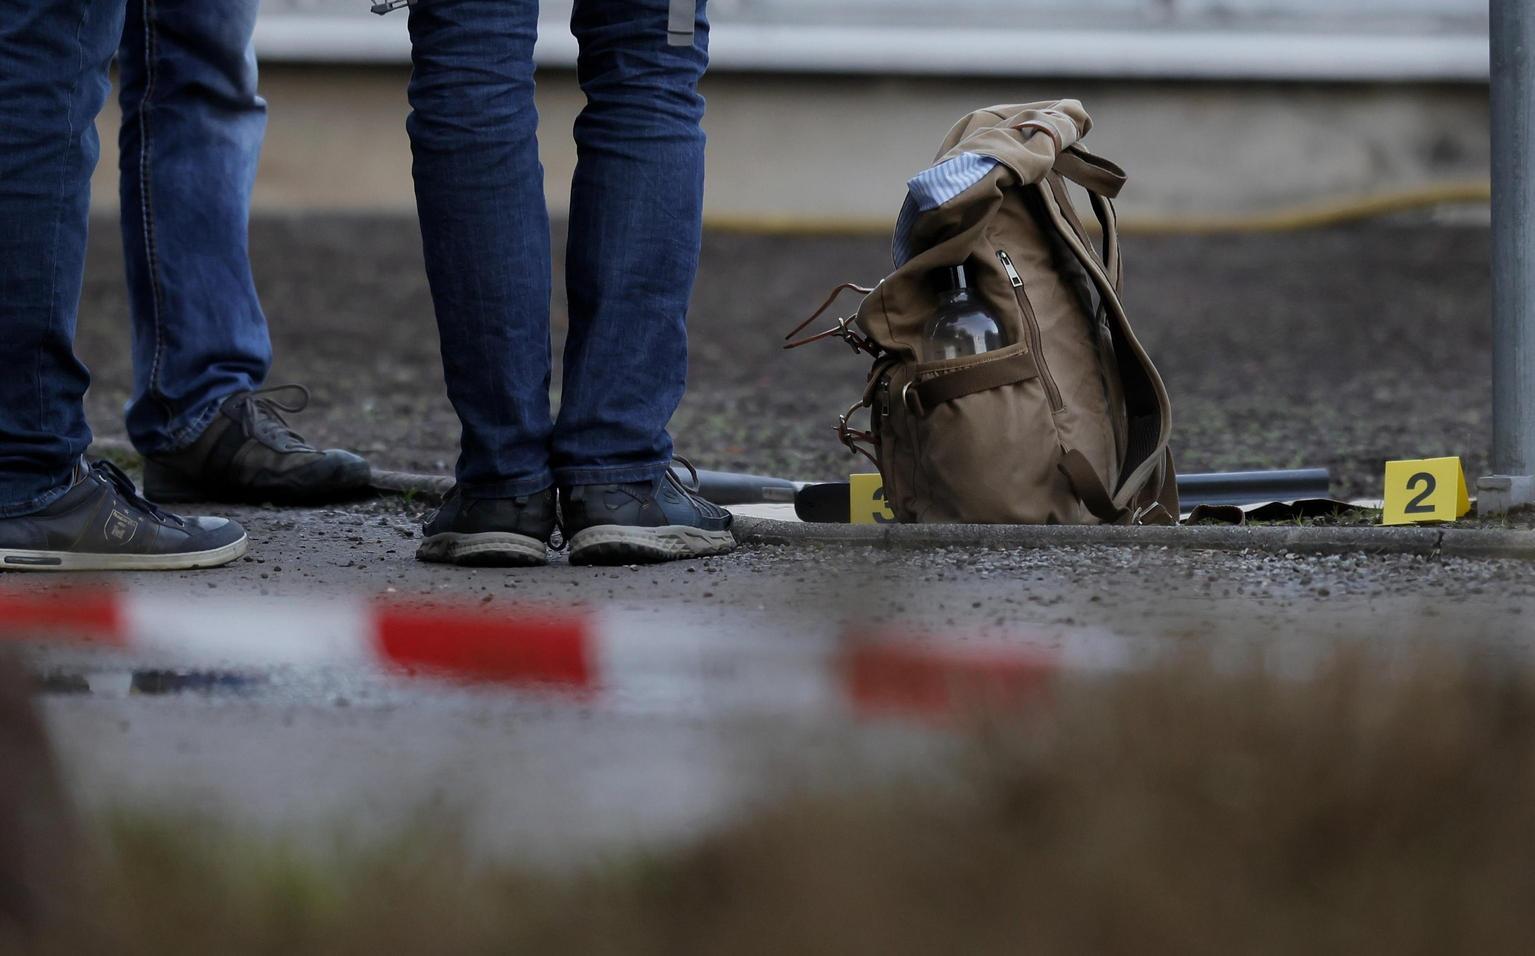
<point>1115,14</point>
<point>1470,14</point>
<point>1390,40</point>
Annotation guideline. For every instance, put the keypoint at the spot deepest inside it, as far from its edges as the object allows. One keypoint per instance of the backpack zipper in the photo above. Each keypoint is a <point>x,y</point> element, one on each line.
<point>1031,325</point>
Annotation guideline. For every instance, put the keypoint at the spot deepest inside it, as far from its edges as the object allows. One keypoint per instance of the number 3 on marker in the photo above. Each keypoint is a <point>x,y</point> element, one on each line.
<point>1433,489</point>
<point>867,504</point>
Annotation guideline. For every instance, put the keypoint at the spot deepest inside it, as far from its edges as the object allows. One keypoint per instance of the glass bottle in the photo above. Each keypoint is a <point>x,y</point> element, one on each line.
<point>961,326</point>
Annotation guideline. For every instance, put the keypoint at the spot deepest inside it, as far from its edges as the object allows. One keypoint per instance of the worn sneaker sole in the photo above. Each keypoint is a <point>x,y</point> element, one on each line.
<point>486,549</point>
<point>624,544</point>
<point>13,559</point>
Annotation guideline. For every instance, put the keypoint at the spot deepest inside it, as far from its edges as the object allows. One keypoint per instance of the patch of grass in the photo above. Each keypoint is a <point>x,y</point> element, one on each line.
<point>1339,518</point>
<point>1342,517</point>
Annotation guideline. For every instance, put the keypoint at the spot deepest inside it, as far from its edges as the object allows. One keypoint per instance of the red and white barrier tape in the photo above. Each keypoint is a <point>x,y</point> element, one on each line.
<point>591,651</point>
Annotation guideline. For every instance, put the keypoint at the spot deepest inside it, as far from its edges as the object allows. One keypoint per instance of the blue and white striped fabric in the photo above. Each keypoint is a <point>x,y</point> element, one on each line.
<point>932,188</point>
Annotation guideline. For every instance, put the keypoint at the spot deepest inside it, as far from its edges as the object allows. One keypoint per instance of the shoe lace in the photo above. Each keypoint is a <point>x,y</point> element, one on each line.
<point>261,412</point>
<point>126,490</point>
<point>693,488</point>
<point>696,485</point>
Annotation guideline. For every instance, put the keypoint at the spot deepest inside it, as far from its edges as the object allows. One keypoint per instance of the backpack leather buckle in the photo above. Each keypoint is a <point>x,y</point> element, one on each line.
<point>911,399</point>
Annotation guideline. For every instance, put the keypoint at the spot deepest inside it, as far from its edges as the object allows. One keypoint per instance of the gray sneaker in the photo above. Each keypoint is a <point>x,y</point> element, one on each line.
<point>250,455</point>
<point>642,522</point>
<point>101,524</point>
<point>490,532</point>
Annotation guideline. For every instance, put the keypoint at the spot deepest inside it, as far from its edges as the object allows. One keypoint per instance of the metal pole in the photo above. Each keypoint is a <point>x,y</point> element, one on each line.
<point>1513,206</point>
<point>1513,273</point>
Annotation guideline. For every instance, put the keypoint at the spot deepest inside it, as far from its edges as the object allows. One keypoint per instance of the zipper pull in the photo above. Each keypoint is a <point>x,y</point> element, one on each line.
<point>1012,273</point>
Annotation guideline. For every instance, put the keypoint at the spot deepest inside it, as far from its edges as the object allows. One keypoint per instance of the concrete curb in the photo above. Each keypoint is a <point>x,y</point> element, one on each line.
<point>1509,545</point>
<point>1425,542</point>
<point>1267,539</point>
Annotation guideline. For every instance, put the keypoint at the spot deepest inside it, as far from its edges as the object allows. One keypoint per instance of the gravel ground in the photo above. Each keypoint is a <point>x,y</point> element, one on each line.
<point>1338,348</point>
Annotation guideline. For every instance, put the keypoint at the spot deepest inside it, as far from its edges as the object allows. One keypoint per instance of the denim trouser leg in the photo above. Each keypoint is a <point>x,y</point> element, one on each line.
<point>53,80</point>
<point>634,237</point>
<point>485,232</point>
<point>633,247</point>
<point>191,136</point>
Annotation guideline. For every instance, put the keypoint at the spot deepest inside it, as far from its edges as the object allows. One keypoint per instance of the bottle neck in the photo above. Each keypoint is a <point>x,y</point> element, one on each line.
<point>959,287</point>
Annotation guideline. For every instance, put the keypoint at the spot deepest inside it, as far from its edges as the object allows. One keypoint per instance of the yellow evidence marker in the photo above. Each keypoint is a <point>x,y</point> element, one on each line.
<point>1433,489</point>
<point>866,500</point>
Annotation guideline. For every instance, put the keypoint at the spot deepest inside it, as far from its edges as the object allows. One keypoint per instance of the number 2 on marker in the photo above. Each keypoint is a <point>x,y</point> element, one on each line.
<point>1433,489</point>
<point>1416,506</point>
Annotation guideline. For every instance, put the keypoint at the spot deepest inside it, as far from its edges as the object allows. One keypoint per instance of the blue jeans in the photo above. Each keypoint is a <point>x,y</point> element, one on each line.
<point>192,131</point>
<point>632,250</point>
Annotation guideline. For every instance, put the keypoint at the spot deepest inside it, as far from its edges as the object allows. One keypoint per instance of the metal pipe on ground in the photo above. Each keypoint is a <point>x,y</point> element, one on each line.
<point>828,501</point>
<point>1253,487</point>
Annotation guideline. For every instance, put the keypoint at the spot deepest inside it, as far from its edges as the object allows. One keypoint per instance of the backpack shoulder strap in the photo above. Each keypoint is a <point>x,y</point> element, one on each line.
<point>1093,173</point>
<point>1108,221</point>
<point>1143,480</point>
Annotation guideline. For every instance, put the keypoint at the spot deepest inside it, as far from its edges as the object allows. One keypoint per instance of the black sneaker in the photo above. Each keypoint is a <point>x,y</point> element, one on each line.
<point>642,522</point>
<point>490,532</point>
<point>248,454</point>
<point>101,524</point>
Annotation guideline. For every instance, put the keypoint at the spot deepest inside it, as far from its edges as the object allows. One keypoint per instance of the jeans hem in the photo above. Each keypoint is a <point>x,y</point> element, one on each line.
<point>611,474</point>
<point>33,506</point>
<point>187,435</point>
<point>516,488</point>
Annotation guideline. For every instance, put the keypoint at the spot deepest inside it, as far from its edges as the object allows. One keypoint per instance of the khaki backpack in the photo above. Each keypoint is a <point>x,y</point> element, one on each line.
<point>1067,425</point>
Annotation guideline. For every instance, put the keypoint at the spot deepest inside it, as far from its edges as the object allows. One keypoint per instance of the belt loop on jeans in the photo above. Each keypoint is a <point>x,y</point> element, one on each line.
<point>679,22</point>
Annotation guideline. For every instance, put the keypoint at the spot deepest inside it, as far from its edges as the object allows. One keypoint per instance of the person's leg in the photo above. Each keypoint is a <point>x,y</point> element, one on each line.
<point>55,513</point>
<point>485,234</point>
<point>191,136</point>
<point>635,223</point>
<point>632,254</point>
<point>53,80</point>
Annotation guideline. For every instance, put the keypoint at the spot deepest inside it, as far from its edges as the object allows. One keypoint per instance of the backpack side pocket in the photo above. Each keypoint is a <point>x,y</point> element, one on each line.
<point>973,440</point>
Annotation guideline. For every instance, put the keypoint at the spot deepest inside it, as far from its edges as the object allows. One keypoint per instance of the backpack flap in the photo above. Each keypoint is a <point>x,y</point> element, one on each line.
<point>1029,140</point>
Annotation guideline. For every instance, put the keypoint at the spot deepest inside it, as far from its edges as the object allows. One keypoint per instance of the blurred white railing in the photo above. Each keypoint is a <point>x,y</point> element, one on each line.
<point>1371,40</point>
